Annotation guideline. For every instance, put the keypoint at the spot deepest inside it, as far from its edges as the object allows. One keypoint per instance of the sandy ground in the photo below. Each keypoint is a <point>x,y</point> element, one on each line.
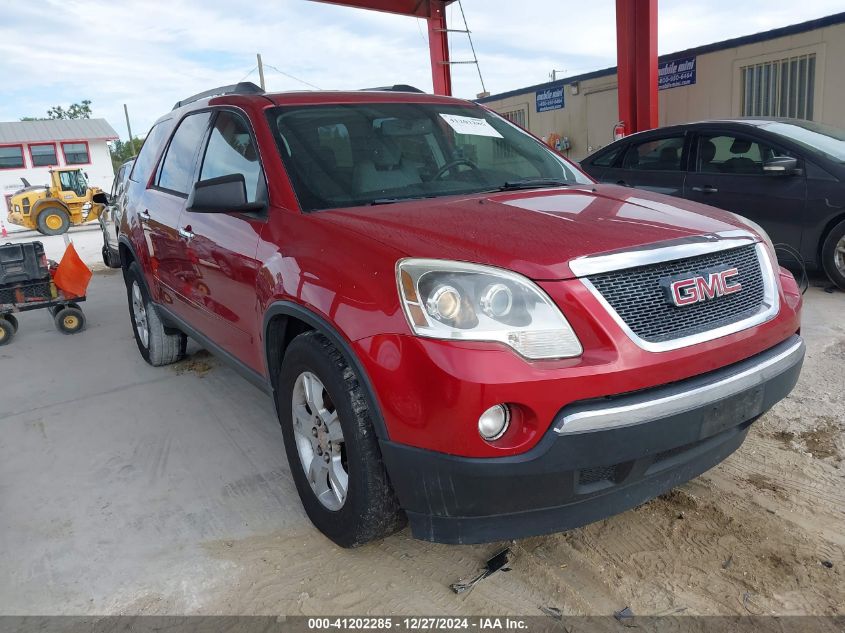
<point>126,489</point>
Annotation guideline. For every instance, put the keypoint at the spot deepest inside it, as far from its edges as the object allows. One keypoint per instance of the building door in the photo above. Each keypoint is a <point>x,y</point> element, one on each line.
<point>602,115</point>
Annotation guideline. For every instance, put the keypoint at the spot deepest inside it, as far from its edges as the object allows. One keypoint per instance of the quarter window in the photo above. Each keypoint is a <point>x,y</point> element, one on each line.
<point>177,168</point>
<point>43,155</point>
<point>659,155</point>
<point>232,150</point>
<point>11,157</point>
<point>143,165</point>
<point>76,153</point>
<point>608,159</point>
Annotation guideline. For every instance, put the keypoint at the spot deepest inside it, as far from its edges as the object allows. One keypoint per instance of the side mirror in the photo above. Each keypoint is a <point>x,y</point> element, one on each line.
<point>101,198</point>
<point>781,166</point>
<point>226,194</point>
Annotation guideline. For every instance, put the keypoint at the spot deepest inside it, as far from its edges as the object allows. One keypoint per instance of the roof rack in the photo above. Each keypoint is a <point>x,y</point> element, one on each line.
<point>241,88</point>
<point>395,88</point>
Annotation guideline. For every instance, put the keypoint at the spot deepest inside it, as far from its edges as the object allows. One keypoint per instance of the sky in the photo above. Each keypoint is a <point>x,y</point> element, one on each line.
<point>149,54</point>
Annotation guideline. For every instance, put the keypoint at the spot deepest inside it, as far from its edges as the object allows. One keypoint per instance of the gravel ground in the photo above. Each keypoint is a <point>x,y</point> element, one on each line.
<point>126,489</point>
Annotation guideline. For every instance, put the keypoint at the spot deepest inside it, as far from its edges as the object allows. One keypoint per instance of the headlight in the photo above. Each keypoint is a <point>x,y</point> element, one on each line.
<point>756,228</point>
<point>455,300</point>
<point>17,208</point>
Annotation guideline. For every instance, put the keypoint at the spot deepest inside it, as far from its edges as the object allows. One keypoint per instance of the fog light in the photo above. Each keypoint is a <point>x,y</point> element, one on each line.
<point>494,422</point>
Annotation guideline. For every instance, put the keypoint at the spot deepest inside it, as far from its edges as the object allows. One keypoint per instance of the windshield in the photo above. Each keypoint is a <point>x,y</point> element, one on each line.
<point>355,154</point>
<point>824,139</point>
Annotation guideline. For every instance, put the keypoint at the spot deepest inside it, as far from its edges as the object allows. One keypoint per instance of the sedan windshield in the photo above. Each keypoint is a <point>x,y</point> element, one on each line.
<point>824,139</point>
<point>379,153</point>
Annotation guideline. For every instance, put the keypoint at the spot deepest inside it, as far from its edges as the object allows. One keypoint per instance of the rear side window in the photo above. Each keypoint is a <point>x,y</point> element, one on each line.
<point>232,150</point>
<point>177,167</point>
<point>143,166</point>
<point>658,155</point>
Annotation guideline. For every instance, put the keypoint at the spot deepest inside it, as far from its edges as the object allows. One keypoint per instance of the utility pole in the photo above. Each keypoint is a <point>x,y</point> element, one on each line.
<point>129,129</point>
<point>260,71</point>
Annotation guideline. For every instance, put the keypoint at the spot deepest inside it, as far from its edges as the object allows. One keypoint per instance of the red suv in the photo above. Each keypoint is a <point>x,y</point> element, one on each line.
<point>460,329</point>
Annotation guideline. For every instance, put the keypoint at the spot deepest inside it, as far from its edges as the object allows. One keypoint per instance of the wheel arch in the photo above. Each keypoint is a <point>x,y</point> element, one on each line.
<point>284,321</point>
<point>44,203</point>
<point>828,227</point>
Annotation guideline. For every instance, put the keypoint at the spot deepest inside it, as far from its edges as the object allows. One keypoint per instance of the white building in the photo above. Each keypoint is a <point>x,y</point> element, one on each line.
<point>28,149</point>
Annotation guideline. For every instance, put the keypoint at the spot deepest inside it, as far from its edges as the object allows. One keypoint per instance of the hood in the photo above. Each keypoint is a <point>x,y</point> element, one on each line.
<point>535,233</point>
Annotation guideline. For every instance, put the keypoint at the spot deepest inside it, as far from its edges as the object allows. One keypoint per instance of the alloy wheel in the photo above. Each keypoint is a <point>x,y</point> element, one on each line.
<point>839,255</point>
<point>319,441</point>
<point>139,312</point>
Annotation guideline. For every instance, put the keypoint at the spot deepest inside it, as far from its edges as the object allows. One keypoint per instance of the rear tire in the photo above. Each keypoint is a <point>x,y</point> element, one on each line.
<point>157,346</point>
<point>13,320</point>
<point>53,221</point>
<point>833,255</point>
<point>69,320</point>
<point>7,332</point>
<point>347,495</point>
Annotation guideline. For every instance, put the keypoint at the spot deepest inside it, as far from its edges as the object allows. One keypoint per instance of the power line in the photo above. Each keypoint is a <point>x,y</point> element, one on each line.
<point>302,81</point>
<point>249,73</point>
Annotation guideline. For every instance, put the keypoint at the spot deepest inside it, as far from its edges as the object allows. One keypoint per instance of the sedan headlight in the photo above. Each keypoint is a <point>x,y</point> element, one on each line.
<point>456,300</point>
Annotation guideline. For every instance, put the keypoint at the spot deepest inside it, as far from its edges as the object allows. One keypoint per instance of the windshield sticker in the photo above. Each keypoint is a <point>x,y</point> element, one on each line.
<point>470,125</point>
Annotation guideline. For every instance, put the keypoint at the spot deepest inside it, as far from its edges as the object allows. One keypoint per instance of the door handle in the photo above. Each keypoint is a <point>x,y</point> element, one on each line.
<point>144,216</point>
<point>186,233</point>
<point>706,189</point>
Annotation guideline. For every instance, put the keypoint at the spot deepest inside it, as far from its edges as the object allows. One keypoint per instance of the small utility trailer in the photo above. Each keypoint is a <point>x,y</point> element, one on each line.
<point>27,283</point>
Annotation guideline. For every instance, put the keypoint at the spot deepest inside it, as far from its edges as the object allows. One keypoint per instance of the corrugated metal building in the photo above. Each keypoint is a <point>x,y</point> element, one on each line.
<point>795,71</point>
<point>29,149</point>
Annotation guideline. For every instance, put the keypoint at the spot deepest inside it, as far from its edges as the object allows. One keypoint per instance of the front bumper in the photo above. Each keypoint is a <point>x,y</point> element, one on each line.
<point>599,457</point>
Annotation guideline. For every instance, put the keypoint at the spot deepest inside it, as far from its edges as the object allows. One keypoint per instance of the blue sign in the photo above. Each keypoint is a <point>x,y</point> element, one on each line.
<point>678,72</point>
<point>550,99</point>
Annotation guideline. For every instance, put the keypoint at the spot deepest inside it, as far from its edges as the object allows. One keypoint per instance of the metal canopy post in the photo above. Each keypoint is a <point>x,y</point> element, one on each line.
<point>434,11</point>
<point>636,50</point>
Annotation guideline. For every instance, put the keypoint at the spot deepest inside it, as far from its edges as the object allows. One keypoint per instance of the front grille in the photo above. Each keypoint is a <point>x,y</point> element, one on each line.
<point>25,203</point>
<point>637,297</point>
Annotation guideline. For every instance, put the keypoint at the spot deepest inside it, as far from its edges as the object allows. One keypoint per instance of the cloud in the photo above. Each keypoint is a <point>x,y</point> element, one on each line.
<point>151,53</point>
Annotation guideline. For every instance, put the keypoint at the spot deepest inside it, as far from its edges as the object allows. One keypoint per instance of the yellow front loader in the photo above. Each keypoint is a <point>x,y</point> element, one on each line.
<point>52,209</point>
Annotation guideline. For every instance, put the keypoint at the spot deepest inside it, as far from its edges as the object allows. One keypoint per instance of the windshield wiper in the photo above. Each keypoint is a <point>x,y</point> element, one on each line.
<point>532,183</point>
<point>395,200</point>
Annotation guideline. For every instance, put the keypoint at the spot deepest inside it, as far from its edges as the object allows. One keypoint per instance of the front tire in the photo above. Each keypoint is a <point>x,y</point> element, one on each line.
<point>53,221</point>
<point>833,255</point>
<point>157,346</point>
<point>331,446</point>
<point>7,332</point>
<point>69,320</point>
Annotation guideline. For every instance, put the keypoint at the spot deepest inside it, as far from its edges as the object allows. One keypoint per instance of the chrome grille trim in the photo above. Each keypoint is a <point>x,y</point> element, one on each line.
<point>682,248</point>
<point>769,306</point>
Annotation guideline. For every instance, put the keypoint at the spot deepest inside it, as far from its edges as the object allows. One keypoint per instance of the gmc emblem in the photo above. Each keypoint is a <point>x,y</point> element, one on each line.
<point>683,291</point>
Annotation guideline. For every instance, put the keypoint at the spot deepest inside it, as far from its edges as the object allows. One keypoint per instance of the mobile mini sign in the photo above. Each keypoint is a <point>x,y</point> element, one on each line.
<point>550,99</point>
<point>676,73</point>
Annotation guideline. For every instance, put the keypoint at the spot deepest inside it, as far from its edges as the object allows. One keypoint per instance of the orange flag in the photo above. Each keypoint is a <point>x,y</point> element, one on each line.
<point>72,276</point>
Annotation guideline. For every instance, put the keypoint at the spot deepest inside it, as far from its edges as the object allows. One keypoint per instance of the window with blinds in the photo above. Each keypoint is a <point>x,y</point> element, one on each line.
<point>779,88</point>
<point>501,149</point>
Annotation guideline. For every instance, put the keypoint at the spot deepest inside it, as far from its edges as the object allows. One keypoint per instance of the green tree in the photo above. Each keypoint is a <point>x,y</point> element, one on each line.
<point>81,110</point>
<point>123,151</point>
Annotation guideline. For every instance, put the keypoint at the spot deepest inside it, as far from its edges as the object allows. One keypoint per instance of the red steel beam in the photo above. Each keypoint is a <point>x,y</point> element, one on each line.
<point>434,11</point>
<point>438,46</point>
<point>636,44</point>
